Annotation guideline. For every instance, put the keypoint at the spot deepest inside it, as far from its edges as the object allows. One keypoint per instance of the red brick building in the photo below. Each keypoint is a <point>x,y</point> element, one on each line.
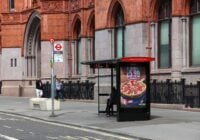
<point>96,29</point>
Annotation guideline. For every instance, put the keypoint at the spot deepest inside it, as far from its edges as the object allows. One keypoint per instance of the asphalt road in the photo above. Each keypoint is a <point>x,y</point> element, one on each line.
<point>19,128</point>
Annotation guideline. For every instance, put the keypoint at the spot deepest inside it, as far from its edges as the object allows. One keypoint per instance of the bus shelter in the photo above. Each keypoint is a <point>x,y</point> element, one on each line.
<point>132,85</point>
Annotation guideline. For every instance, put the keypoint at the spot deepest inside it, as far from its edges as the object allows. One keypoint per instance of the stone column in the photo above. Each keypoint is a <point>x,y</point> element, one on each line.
<point>89,53</point>
<point>153,46</point>
<point>84,58</point>
<point>184,20</point>
<point>176,48</point>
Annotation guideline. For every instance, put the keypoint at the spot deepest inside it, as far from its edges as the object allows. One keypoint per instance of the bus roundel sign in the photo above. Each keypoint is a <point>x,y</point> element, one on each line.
<point>58,47</point>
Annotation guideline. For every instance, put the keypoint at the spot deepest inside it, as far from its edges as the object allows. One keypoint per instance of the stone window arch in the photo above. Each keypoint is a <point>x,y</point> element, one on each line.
<point>119,33</point>
<point>91,40</point>
<point>116,20</point>
<point>77,47</point>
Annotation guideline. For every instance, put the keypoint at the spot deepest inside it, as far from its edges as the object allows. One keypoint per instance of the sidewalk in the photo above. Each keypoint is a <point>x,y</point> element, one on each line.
<point>165,124</point>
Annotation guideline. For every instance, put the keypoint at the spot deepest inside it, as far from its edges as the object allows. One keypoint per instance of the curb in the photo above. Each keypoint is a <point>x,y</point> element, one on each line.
<point>75,125</point>
<point>174,107</point>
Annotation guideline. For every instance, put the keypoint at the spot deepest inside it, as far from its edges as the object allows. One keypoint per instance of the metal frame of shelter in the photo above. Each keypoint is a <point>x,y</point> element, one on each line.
<point>102,64</point>
<point>116,64</point>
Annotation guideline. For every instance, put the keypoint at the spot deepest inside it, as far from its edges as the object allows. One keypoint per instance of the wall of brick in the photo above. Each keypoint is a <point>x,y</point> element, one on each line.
<point>134,11</point>
<point>54,26</point>
<point>12,36</point>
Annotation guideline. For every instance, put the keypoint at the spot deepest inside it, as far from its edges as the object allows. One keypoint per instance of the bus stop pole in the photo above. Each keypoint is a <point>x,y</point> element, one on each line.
<point>52,81</point>
<point>98,93</point>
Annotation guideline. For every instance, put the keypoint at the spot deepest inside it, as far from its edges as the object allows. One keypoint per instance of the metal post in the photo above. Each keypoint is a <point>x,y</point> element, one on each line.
<point>52,81</point>
<point>98,93</point>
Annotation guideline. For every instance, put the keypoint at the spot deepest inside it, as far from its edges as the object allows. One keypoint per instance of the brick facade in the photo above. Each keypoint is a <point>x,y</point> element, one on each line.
<point>28,27</point>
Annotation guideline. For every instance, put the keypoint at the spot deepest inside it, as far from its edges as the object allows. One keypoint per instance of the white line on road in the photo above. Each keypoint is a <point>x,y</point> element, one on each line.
<point>93,138</point>
<point>52,138</point>
<point>31,133</point>
<point>7,137</point>
<point>82,138</point>
<point>68,138</point>
<point>90,130</point>
<point>20,130</point>
<point>7,126</point>
<point>2,119</point>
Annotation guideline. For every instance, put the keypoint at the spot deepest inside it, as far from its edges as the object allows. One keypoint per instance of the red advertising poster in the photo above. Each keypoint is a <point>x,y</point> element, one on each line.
<point>133,87</point>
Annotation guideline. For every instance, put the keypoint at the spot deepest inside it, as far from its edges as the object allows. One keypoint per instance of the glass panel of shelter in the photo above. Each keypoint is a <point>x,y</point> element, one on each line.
<point>112,84</point>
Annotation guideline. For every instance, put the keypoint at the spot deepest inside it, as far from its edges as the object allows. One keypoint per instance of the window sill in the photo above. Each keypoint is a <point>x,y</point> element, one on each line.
<point>191,70</point>
<point>161,71</point>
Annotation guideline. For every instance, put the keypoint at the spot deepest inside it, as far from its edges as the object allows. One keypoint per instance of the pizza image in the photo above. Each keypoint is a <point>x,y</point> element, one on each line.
<point>133,88</point>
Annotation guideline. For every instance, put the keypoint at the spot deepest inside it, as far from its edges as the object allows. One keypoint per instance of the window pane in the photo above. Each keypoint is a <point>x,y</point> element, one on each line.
<point>196,41</point>
<point>193,6</point>
<point>119,42</point>
<point>198,5</point>
<point>164,33</point>
<point>164,44</point>
<point>12,5</point>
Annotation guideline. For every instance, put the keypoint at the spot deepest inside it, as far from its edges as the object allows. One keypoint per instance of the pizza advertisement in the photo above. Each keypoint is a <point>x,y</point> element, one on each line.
<point>133,86</point>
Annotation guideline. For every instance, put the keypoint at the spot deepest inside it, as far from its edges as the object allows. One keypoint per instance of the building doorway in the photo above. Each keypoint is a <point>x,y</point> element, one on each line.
<point>32,47</point>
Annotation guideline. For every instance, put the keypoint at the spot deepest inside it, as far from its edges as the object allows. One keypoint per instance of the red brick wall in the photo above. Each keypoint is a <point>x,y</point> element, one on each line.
<point>54,26</point>
<point>12,36</point>
<point>134,11</point>
<point>58,16</point>
<point>179,8</point>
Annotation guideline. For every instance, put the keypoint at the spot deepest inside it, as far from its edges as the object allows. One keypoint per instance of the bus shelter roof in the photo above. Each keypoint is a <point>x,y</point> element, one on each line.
<point>111,63</point>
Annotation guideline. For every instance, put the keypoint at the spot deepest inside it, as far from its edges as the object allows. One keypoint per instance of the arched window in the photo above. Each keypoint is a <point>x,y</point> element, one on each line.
<point>119,33</point>
<point>194,33</point>
<point>91,49</point>
<point>164,34</point>
<point>78,47</point>
<point>33,47</point>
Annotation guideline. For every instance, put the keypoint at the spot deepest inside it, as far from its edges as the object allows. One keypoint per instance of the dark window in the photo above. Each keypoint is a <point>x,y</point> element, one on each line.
<point>11,4</point>
<point>164,34</point>
<point>194,33</point>
<point>11,62</point>
<point>194,6</point>
<point>15,62</point>
<point>119,33</point>
<point>78,47</point>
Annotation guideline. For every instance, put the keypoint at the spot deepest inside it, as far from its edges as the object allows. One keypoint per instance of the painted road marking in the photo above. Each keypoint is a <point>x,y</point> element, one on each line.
<point>31,133</point>
<point>92,138</point>
<point>20,130</point>
<point>7,137</point>
<point>90,130</point>
<point>10,119</point>
<point>2,119</point>
<point>7,126</point>
<point>82,138</point>
<point>52,138</point>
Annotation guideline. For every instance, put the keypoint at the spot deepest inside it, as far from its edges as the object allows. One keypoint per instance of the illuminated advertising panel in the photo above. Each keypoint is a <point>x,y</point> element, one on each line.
<point>133,87</point>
